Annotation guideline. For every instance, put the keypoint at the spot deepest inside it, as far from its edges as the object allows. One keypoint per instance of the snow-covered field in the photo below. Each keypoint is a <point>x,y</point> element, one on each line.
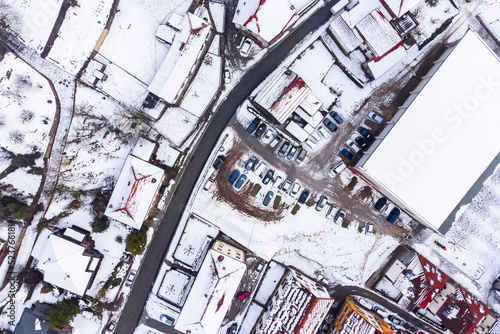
<point>431,17</point>
<point>81,28</point>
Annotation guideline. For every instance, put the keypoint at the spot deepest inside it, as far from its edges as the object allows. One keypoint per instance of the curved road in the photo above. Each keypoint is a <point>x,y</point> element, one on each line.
<point>161,240</point>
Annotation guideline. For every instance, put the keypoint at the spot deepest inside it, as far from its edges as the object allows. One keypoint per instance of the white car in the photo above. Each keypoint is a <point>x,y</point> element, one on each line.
<point>277,181</point>
<point>268,136</point>
<point>331,212</point>
<point>321,203</point>
<point>295,190</point>
<point>227,76</point>
<point>339,167</point>
<point>352,145</point>
<point>339,217</point>
<point>130,278</point>
<point>325,134</point>
<point>208,184</point>
<point>375,117</point>
<point>365,303</point>
<point>245,47</point>
<point>286,186</point>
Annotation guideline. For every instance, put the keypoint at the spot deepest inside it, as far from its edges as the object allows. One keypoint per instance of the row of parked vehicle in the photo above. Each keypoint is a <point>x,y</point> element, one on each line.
<point>362,141</point>
<point>269,137</point>
<point>382,205</point>
<point>322,131</point>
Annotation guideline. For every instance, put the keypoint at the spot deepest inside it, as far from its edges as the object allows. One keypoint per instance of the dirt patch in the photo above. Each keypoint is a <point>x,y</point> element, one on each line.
<point>243,199</point>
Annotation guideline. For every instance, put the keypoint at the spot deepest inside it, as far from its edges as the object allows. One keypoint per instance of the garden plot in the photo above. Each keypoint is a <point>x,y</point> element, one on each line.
<point>131,42</point>
<point>79,33</point>
<point>431,14</point>
<point>27,110</point>
<point>33,20</point>
<point>99,141</point>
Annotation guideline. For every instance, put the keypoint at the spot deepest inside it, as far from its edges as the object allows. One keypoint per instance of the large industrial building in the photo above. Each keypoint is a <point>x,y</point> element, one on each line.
<point>434,155</point>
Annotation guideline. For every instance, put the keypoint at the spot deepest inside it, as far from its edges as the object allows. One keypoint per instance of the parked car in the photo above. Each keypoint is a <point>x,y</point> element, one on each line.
<point>310,143</point>
<point>208,184</point>
<point>260,168</point>
<point>234,176</point>
<point>361,143</point>
<point>315,137</point>
<point>329,124</point>
<point>369,228</point>
<point>381,311</point>
<point>295,189</point>
<point>339,217</point>
<point>250,163</point>
<point>409,327</point>
<point>240,181</point>
<point>321,130</point>
<point>303,197</point>
<point>244,295</point>
<point>321,203</point>
<point>130,278</point>
<point>352,145</point>
<point>382,201</point>
<point>251,128</point>
<point>394,320</point>
<point>277,181</point>
<point>284,148</point>
<point>301,156</point>
<point>111,327</point>
<point>375,117</point>
<point>268,198</point>
<point>232,329</point>
<point>268,136</point>
<point>291,153</point>
<point>259,267</point>
<point>269,176</point>
<point>219,161</point>
<point>167,319</point>
<point>391,218</point>
<point>347,154</point>
<point>331,212</point>
<point>245,46</point>
<point>286,186</point>
<point>365,133</point>
<point>338,167</point>
<point>260,130</point>
<point>336,117</point>
<point>365,303</point>
<point>275,141</point>
<point>227,76</point>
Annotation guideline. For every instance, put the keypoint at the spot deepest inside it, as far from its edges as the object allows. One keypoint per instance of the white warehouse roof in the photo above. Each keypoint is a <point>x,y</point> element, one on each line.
<point>446,138</point>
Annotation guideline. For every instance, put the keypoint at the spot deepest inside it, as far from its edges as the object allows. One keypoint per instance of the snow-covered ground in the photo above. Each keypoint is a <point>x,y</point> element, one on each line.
<point>431,17</point>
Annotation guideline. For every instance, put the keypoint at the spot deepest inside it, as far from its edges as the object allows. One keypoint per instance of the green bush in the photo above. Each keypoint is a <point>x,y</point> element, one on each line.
<point>436,33</point>
<point>46,288</point>
<point>116,282</point>
<point>136,241</point>
<point>119,239</point>
<point>63,313</point>
<point>100,224</point>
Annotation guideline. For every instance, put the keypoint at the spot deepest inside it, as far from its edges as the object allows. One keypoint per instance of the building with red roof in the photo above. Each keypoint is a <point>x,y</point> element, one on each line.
<point>298,305</point>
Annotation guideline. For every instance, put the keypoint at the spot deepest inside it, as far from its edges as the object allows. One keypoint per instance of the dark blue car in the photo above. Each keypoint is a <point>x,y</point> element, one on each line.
<point>347,154</point>
<point>382,201</point>
<point>391,218</point>
<point>240,181</point>
<point>251,128</point>
<point>234,176</point>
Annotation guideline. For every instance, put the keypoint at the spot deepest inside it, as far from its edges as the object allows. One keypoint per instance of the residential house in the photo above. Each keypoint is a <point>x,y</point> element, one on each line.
<point>33,321</point>
<point>134,192</point>
<point>354,319</point>
<point>298,305</point>
<point>67,259</point>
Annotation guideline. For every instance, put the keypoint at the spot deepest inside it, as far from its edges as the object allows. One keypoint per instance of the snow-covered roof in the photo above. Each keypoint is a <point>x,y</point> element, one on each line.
<point>134,192</point>
<point>165,33</point>
<point>297,306</point>
<point>360,321</point>
<point>143,149</point>
<point>445,139</point>
<point>313,120</point>
<point>296,131</point>
<point>73,234</point>
<point>311,104</point>
<point>399,7</point>
<point>266,18</point>
<point>348,38</point>
<point>378,32</point>
<point>181,58</point>
<point>294,95</point>
<point>211,294</point>
<point>63,263</point>
<point>360,11</point>
<point>271,92</point>
<point>174,287</point>
<point>380,65</point>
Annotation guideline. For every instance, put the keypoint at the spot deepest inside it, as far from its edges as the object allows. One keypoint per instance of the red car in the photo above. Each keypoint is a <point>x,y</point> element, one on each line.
<point>244,295</point>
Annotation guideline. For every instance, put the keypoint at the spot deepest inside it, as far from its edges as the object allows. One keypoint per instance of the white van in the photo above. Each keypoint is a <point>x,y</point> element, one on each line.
<point>262,166</point>
<point>310,143</point>
<point>338,168</point>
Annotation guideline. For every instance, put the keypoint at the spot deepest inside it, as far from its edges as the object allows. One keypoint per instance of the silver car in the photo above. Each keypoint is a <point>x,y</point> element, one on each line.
<point>375,117</point>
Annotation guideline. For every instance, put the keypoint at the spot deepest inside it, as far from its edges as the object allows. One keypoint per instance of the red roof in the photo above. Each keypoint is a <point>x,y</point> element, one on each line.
<point>435,279</point>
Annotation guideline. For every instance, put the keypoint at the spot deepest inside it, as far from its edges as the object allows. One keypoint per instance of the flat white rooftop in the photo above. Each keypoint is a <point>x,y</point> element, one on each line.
<point>446,138</point>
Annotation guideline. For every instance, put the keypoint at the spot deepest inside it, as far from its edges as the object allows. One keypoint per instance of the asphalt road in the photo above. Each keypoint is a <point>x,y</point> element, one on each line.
<point>162,238</point>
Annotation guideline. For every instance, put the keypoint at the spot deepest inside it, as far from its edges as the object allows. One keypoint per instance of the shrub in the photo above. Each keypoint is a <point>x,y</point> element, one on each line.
<point>352,183</point>
<point>63,313</point>
<point>136,241</point>
<point>100,224</point>
<point>119,239</point>
<point>46,288</point>
<point>116,282</point>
